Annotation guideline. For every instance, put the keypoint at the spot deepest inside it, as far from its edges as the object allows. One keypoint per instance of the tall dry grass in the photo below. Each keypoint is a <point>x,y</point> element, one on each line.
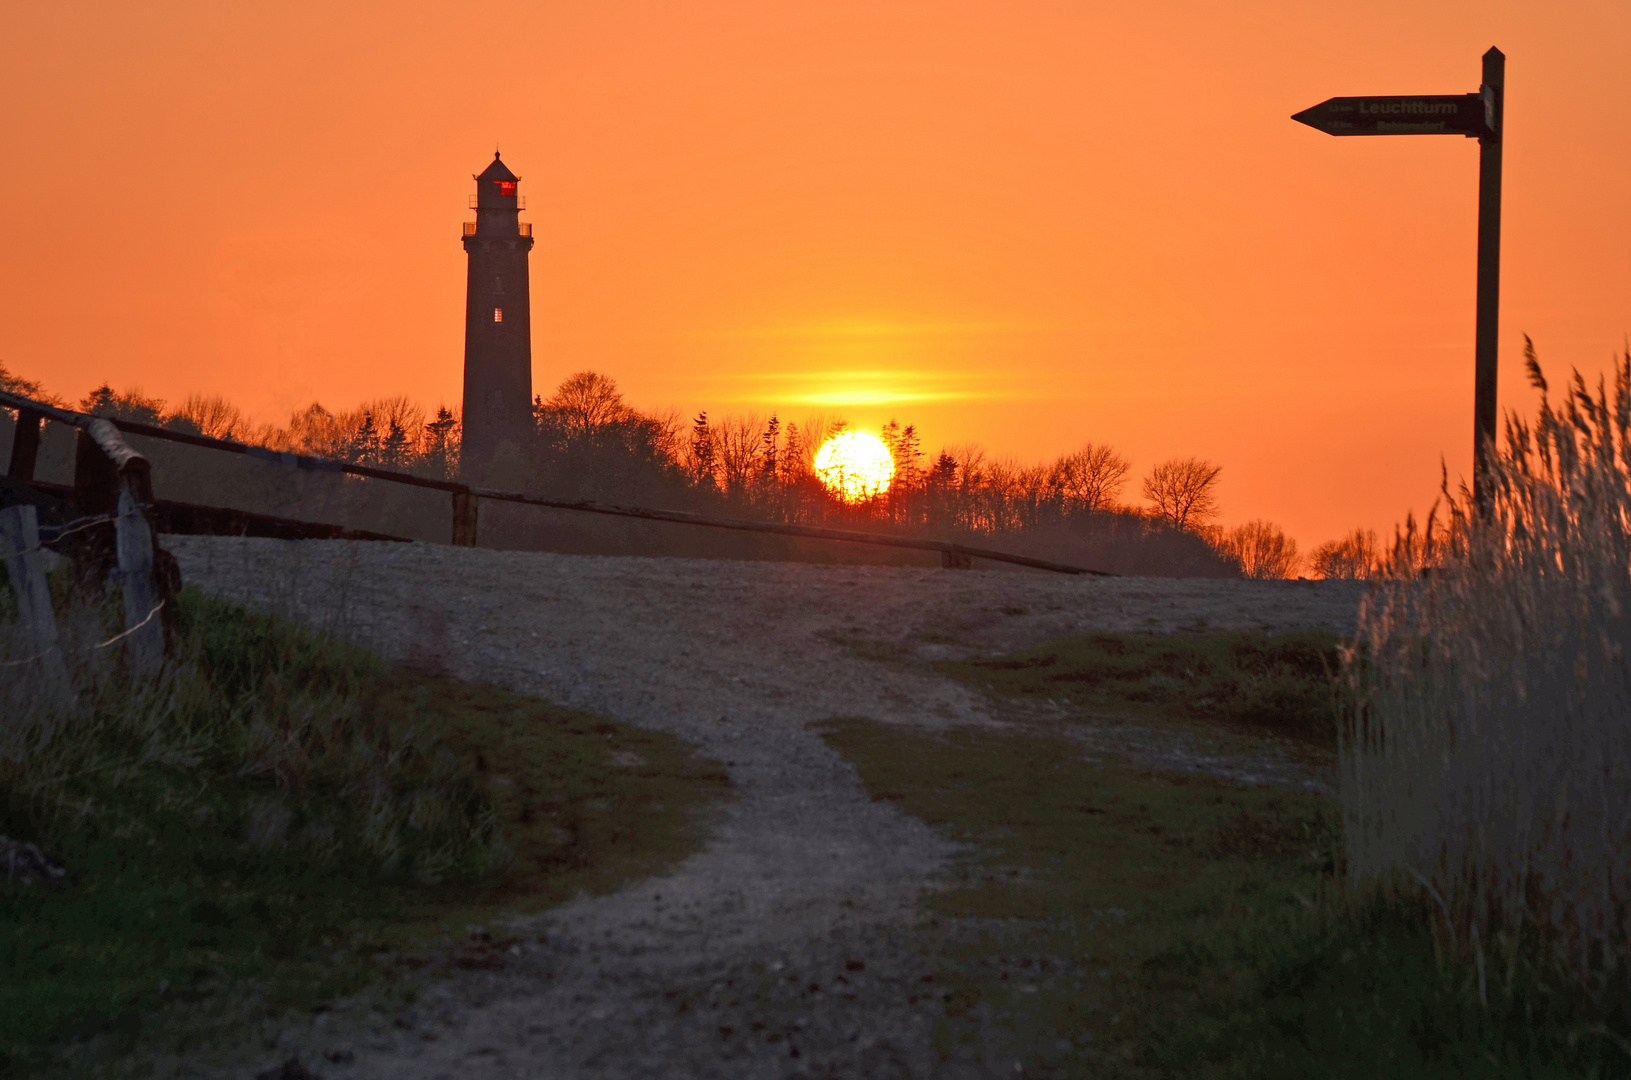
<point>1488,761</point>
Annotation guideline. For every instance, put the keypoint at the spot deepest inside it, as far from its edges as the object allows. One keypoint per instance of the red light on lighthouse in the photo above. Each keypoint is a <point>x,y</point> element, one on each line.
<point>506,188</point>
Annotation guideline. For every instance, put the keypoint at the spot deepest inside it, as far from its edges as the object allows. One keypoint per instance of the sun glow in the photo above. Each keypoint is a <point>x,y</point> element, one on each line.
<point>855,466</point>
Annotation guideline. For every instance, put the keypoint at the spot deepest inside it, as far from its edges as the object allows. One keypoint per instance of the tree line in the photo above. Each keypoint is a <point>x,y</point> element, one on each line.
<point>586,441</point>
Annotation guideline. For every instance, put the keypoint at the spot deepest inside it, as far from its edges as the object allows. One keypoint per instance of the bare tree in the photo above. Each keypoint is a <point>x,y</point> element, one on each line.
<point>211,415</point>
<point>813,434</point>
<point>12,383</point>
<point>1091,478</point>
<point>667,428</point>
<point>1181,493</point>
<point>1017,496</point>
<point>399,412</point>
<point>738,446</point>
<point>1354,556</point>
<point>586,401</point>
<point>1263,550</point>
<point>316,431</point>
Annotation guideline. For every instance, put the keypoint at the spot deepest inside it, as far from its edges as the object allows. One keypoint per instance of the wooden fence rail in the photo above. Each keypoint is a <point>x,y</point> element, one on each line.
<point>467,499</point>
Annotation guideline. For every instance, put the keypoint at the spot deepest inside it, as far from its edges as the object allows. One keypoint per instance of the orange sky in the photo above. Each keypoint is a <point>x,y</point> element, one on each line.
<point>1027,224</point>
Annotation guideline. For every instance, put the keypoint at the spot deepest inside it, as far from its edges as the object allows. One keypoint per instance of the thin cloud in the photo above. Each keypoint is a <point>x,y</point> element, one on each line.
<point>862,387</point>
<point>873,330</point>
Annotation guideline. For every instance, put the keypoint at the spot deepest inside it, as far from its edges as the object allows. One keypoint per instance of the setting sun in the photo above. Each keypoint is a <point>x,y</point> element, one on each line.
<point>855,466</point>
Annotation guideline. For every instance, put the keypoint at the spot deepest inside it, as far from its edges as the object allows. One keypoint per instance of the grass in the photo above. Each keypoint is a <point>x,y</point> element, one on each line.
<point>1287,684</point>
<point>1120,922</point>
<point>286,818</point>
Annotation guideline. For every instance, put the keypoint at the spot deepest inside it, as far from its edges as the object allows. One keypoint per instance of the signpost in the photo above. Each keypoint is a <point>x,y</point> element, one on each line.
<point>1476,116</point>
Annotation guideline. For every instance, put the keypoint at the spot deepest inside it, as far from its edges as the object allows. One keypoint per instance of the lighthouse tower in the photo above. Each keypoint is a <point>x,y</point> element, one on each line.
<point>497,319</point>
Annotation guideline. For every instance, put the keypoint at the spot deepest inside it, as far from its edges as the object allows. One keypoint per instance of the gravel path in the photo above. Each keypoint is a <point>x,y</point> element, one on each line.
<point>786,947</point>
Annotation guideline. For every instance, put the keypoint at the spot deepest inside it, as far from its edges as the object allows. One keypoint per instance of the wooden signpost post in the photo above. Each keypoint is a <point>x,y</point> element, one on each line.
<point>1475,116</point>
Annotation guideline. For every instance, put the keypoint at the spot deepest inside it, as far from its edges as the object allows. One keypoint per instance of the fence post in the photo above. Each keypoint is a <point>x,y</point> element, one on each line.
<point>25,445</point>
<point>25,568</point>
<point>133,536</point>
<point>96,476</point>
<point>465,505</point>
<point>110,477</point>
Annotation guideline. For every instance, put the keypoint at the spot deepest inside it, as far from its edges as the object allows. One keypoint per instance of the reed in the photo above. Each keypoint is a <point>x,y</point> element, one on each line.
<point>1486,763</point>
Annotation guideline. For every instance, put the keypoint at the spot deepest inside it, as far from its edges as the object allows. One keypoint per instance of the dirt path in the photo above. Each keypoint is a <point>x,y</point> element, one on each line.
<point>743,962</point>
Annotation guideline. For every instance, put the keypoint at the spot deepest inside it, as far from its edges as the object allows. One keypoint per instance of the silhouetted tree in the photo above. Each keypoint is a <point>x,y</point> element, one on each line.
<point>704,464</point>
<point>770,450</point>
<point>794,455</point>
<point>587,401</point>
<point>393,451</point>
<point>440,458</point>
<point>940,491</point>
<point>210,415</point>
<point>12,383</point>
<point>1181,492</point>
<point>1262,549</point>
<point>130,405</point>
<point>1356,555</point>
<point>364,447</point>
<point>908,450</point>
<point>738,442</point>
<point>1090,479</point>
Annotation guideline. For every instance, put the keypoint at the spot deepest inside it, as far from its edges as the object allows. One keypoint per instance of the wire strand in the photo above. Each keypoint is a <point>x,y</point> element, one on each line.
<point>60,531</point>
<point>100,645</point>
<point>133,629</point>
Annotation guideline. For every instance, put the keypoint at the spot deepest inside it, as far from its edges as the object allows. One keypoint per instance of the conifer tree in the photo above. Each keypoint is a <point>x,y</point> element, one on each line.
<point>364,447</point>
<point>792,458</point>
<point>906,449</point>
<point>394,451</point>
<point>131,405</point>
<point>441,447</point>
<point>940,487</point>
<point>904,506</point>
<point>704,459</point>
<point>772,439</point>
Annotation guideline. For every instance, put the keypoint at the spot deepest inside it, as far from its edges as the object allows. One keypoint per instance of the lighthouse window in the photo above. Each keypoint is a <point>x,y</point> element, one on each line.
<point>506,187</point>
<point>498,314</point>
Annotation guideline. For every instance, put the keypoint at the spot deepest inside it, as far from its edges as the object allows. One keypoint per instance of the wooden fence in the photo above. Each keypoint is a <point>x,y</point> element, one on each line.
<point>113,487</point>
<point>107,471</point>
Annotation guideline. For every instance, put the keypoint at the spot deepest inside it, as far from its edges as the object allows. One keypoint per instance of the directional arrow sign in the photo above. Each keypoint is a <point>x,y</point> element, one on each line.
<point>1477,116</point>
<point>1432,114</point>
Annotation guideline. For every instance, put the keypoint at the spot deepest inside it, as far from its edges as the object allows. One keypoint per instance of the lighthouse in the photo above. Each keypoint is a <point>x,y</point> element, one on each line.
<point>497,319</point>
